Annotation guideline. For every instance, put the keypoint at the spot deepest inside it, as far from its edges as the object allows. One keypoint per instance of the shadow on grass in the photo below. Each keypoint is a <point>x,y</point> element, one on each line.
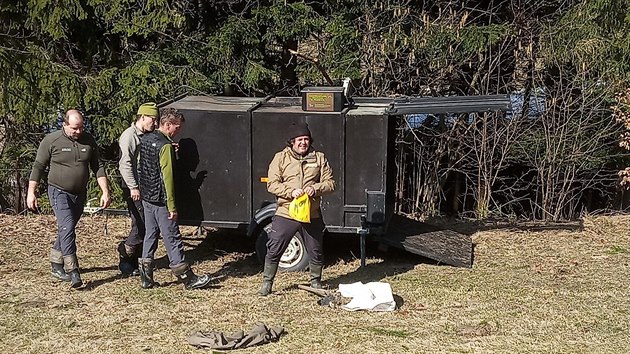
<point>212,286</point>
<point>345,248</point>
<point>227,244</point>
<point>91,285</point>
<point>370,273</point>
<point>208,246</point>
<point>240,260</point>
<point>98,269</point>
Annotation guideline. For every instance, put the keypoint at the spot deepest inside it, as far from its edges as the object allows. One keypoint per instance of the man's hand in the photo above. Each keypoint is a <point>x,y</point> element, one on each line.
<point>172,215</point>
<point>31,201</point>
<point>297,192</point>
<point>135,194</point>
<point>106,200</point>
<point>310,191</point>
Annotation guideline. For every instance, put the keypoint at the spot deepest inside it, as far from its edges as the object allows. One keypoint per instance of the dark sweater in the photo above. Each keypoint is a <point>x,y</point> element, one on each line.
<point>70,161</point>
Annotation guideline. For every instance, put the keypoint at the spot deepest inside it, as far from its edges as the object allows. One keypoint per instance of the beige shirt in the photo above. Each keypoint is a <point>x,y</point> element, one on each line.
<point>289,171</point>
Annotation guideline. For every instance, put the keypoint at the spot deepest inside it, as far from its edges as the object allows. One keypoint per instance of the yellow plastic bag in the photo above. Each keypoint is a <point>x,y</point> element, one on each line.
<point>300,208</point>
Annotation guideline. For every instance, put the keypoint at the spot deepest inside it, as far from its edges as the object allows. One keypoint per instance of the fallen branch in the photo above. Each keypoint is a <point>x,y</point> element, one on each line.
<point>314,61</point>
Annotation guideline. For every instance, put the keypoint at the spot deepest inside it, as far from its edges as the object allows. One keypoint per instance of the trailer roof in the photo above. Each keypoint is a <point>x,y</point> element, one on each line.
<point>369,106</point>
<point>361,105</point>
<point>450,104</point>
<point>216,103</point>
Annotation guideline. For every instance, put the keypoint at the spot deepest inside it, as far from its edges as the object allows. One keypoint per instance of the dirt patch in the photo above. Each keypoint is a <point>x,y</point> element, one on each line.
<point>528,291</point>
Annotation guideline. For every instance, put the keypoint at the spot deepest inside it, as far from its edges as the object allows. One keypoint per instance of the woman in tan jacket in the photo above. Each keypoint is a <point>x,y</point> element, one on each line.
<point>296,170</point>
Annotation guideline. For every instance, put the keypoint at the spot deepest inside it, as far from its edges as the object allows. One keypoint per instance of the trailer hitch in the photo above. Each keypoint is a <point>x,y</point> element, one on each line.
<point>363,231</point>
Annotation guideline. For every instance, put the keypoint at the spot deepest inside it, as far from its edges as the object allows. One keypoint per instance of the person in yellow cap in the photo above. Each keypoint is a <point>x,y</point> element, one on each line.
<point>129,142</point>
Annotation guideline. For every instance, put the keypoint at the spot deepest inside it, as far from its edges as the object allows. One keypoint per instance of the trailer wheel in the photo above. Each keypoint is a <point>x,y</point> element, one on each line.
<point>294,259</point>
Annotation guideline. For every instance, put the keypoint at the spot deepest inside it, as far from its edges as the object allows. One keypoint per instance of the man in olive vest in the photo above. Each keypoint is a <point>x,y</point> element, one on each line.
<point>157,190</point>
<point>69,154</point>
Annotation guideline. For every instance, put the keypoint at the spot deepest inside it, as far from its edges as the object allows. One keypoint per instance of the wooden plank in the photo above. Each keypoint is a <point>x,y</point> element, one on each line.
<point>445,246</point>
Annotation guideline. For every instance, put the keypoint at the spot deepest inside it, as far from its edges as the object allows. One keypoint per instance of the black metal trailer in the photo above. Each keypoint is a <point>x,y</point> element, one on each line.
<point>227,144</point>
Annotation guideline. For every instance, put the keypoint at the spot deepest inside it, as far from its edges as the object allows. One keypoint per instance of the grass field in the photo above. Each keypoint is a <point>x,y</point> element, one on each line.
<point>553,291</point>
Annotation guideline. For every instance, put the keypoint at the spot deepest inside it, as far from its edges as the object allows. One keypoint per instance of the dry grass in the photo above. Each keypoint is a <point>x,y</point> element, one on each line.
<point>529,291</point>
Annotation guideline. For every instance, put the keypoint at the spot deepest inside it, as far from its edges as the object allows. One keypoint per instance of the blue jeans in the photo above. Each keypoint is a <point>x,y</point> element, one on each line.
<point>68,208</point>
<point>156,222</point>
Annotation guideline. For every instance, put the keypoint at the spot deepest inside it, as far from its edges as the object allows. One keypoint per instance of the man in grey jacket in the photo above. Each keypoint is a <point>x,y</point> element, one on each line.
<point>129,142</point>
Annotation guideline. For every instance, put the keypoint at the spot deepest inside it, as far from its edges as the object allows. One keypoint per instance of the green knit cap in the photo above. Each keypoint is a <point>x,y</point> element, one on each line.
<point>148,109</point>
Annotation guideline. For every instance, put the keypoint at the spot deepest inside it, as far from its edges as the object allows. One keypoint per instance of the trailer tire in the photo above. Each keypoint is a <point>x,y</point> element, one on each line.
<point>294,259</point>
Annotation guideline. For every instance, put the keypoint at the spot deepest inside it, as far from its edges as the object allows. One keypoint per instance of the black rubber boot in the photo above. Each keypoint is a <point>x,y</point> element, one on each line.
<point>316,275</point>
<point>137,254</point>
<point>128,259</point>
<point>269,273</point>
<point>71,265</point>
<point>58,272</point>
<point>146,273</point>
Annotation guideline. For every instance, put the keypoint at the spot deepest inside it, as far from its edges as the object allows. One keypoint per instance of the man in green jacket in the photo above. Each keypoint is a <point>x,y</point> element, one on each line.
<point>157,190</point>
<point>69,154</point>
<point>294,171</point>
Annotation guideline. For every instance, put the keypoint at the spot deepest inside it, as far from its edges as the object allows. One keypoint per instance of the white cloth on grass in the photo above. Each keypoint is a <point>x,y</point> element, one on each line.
<point>374,296</point>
